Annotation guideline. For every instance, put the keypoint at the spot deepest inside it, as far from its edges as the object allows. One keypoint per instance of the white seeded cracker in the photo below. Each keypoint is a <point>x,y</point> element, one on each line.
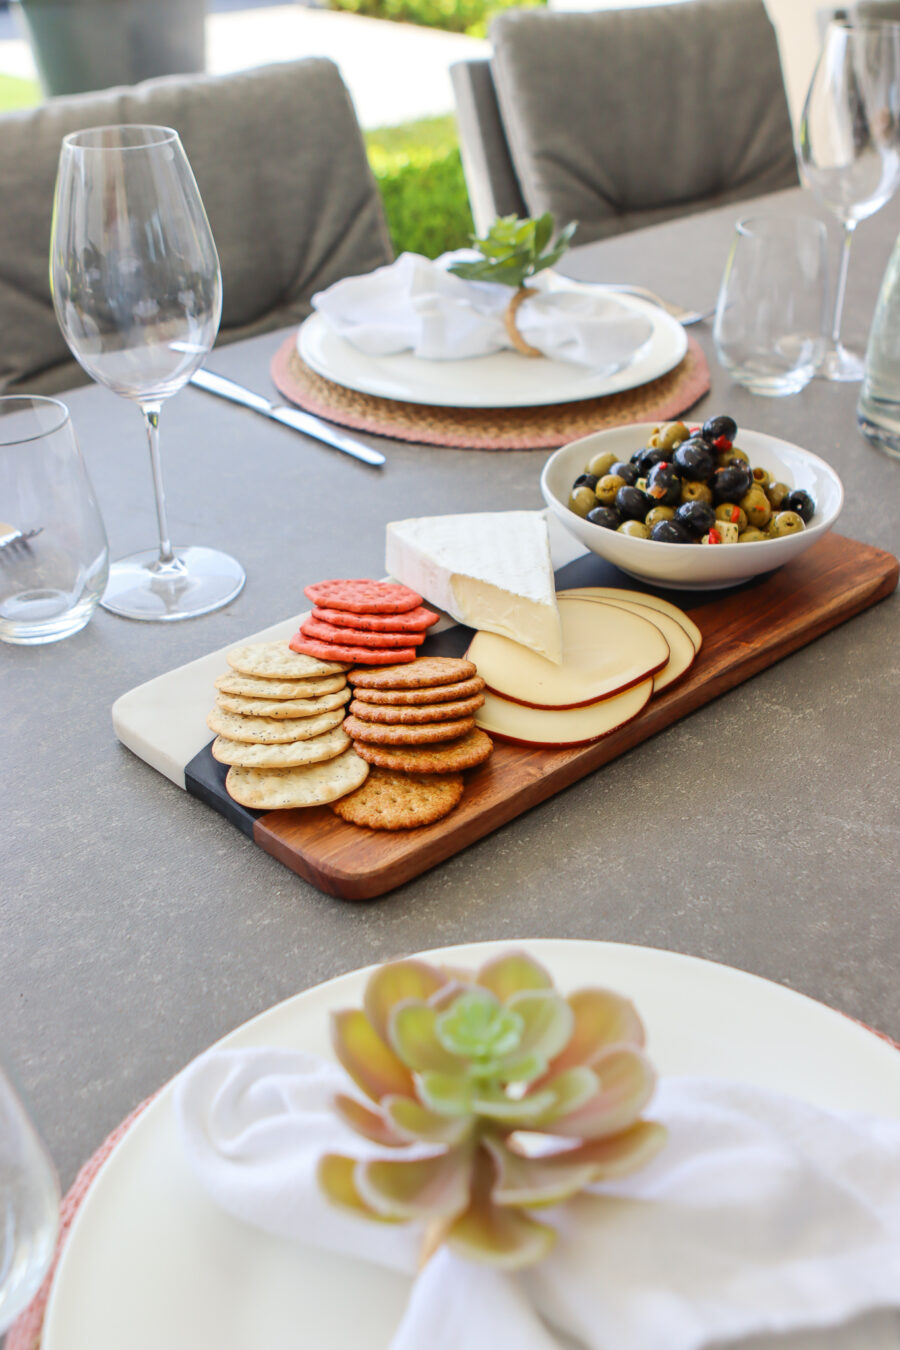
<point>308,785</point>
<point>327,746</point>
<point>268,730</point>
<point>276,661</point>
<point>249,687</point>
<point>285,707</point>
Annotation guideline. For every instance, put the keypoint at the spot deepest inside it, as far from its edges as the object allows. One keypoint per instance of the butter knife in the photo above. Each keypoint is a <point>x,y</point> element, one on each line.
<point>290,417</point>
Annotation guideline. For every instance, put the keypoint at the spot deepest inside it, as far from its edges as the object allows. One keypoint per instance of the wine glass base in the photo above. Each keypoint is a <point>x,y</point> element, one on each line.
<point>197,581</point>
<point>839,363</point>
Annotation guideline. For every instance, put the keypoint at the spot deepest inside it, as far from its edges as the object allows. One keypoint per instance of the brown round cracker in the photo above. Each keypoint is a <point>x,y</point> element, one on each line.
<point>435,693</point>
<point>358,637</point>
<point>268,730</point>
<point>465,753</point>
<point>249,686</point>
<point>409,621</point>
<point>428,712</point>
<point>429,734</point>
<point>281,756</point>
<point>275,660</point>
<point>400,801</point>
<point>419,674</point>
<point>284,707</point>
<point>307,785</point>
<point>352,655</point>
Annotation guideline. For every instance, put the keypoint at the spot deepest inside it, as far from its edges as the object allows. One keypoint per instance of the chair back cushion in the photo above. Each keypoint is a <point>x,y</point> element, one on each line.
<point>490,177</point>
<point>282,169</point>
<point>619,118</point>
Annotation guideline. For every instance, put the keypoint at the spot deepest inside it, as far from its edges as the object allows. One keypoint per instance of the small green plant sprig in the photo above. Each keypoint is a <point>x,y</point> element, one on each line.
<point>523,1098</point>
<point>513,251</point>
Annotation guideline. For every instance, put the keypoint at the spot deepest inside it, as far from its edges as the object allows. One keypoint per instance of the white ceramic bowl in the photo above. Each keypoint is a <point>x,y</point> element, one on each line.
<point>694,566</point>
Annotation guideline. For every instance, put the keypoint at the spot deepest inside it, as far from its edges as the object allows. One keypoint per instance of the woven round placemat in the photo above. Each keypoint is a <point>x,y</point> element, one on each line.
<point>540,428</point>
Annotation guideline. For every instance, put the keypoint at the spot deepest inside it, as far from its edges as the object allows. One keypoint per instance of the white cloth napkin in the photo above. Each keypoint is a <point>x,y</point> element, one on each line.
<point>416,305</point>
<point>761,1215</point>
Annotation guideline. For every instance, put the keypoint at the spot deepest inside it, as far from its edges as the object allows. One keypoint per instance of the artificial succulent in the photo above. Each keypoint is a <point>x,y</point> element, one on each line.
<point>521,1098</point>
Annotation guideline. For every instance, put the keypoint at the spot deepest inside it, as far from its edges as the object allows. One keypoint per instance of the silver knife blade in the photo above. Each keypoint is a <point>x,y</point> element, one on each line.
<point>290,417</point>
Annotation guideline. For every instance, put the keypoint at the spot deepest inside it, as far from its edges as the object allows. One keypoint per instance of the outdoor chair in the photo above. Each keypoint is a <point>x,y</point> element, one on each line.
<point>624,117</point>
<point>281,165</point>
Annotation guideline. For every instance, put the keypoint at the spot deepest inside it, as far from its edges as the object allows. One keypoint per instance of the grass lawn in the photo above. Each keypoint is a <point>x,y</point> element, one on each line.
<point>16,93</point>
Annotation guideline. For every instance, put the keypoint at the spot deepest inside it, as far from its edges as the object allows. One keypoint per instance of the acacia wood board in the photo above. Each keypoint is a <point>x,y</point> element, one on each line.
<point>744,631</point>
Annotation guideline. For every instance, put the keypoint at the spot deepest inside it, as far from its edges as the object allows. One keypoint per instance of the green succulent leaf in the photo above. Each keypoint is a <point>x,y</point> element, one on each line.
<point>416,1188</point>
<point>547,1020</point>
<point>447,1094</point>
<point>416,1123</point>
<point>395,983</point>
<point>494,1235</point>
<point>370,1124</point>
<point>371,1063</point>
<point>517,1112</point>
<point>335,1175</point>
<point>515,249</point>
<point>414,1034</point>
<point>570,1090</point>
<point>477,1027</point>
<point>626,1080</point>
<point>513,973</point>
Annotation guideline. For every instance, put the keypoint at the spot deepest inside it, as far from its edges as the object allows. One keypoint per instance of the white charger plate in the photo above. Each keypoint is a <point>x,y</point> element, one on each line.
<point>151,1262</point>
<point>504,379</point>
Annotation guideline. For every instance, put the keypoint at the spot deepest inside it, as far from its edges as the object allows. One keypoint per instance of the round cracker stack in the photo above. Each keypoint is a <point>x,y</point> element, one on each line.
<point>277,719</point>
<point>414,722</point>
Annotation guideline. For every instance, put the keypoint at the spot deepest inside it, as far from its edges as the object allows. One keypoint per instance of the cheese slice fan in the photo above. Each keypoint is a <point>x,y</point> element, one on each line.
<point>640,598</point>
<point>681,649</point>
<point>558,728</point>
<point>605,649</point>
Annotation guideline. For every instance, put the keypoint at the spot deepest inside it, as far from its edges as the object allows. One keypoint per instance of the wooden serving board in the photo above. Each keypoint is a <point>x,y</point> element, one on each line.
<point>744,631</point>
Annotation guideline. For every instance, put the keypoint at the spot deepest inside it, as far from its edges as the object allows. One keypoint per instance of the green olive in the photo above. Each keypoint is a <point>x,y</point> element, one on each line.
<point>762,477</point>
<point>636,528</point>
<point>725,457</point>
<point>653,440</point>
<point>751,535</point>
<point>671,434</point>
<point>602,464</point>
<point>695,492</point>
<point>786,522</point>
<point>657,514</point>
<point>582,500</point>
<point>606,489</point>
<point>776,493</point>
<point>726,511</point>
<point>756,504</point>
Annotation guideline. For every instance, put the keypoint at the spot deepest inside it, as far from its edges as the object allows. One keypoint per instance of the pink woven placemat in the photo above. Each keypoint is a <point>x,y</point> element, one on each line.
<point>25,1333</point>
<point>490,428</point>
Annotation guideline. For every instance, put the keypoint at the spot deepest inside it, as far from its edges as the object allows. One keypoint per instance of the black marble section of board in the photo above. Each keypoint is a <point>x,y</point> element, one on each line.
<point>204,777</point>
<point>593,571</point>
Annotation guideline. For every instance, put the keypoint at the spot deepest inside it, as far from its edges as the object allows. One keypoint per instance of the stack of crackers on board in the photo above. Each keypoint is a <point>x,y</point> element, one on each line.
<point>412,720</point>
<point>278,722</point>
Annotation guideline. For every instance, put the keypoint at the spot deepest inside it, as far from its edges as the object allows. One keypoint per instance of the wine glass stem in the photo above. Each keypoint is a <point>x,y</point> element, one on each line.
<point>841,290</point>
<point>151,422</point>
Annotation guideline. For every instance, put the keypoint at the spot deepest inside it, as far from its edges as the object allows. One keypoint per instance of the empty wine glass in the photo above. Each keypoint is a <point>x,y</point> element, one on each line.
<point>29,1208</point>
<point>848,145</point>
<point>138,294</point>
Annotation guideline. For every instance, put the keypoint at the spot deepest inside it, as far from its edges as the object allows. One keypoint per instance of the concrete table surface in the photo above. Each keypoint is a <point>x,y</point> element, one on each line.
<point>138,925</point>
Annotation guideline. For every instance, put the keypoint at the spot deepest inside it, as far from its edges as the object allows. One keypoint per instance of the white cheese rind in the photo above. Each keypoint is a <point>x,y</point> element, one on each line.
<point>488,570</point>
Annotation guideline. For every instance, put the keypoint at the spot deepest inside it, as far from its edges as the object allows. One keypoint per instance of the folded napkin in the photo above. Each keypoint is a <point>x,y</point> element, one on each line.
<point>416,305</point>
<point>761,1215</point>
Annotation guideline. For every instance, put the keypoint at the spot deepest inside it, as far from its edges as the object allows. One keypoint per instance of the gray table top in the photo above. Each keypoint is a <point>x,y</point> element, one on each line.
<point>138,925</point>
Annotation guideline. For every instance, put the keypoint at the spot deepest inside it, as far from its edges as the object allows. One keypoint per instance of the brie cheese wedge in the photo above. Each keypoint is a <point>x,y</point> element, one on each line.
<point>490,571</point>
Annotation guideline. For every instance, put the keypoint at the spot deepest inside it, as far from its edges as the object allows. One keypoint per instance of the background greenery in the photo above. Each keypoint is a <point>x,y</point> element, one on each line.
<point>457,16</point>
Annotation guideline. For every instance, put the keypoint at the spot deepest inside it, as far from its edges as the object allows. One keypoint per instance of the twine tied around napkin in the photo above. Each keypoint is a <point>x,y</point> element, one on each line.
<point>417,305</point>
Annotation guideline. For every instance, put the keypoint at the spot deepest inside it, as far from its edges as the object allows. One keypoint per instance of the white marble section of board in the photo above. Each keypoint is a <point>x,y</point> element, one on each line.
<point>164,720</point>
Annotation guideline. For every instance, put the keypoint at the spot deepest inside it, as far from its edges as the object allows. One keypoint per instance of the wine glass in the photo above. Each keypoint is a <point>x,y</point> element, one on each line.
<point>848,145</point>
<point>137,290</point>
<point>29,1208</point>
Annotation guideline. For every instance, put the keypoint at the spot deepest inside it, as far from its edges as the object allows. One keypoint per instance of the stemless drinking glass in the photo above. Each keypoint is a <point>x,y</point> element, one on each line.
<point>29,1207</point>
<point>138,294</point>
<point>848,145</point>
<point>771,308</point>
<point>53,553</point>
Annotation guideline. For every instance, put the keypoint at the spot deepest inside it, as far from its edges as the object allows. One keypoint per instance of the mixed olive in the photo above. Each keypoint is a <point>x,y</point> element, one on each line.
<point>689,486</point>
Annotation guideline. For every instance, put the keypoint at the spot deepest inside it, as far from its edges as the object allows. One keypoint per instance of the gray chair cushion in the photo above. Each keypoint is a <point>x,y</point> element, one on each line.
<point>490,177</point>
<point>282,169</point>
<point>621,118</point>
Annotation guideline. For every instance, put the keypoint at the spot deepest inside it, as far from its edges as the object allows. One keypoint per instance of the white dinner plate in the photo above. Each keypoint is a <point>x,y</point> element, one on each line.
<point>504,379</point>
<point>151,1262</point>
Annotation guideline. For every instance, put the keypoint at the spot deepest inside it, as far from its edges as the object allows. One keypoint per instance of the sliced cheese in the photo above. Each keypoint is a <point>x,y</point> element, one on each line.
<point>560,727</point>
<point>640,598</point>
<point>490,571</point>
<point>681,649</point>
<point>605,649</point>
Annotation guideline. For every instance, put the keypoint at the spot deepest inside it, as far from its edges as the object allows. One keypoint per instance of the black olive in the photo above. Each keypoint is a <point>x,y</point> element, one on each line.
<point>586,480</point>
<point>731,483</point>
<point>664,485</point>
<point>696,459</point>
<point>627,471</point>
<point>633,503</point>
<point>671,532</point>
<point>605,516</point>
<point>698,517</point>
<point>645,459</point>
<point>715,427</point>
<point>802,503</point>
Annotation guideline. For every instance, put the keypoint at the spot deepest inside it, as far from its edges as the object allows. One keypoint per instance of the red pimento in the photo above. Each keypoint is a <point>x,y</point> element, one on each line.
<point>715,537</point>
<point>723,443</point>
<point>735,515</point>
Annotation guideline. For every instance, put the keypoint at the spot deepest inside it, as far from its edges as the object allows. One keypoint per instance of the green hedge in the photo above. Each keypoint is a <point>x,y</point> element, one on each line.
<point>419,172</point>
<point>456,16</point>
